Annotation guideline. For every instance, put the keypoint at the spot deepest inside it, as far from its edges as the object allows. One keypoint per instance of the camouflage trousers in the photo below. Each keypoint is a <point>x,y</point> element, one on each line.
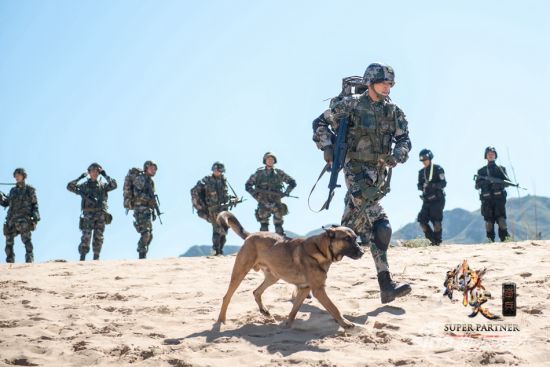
<point>92,225</point>
<point>12,229</point>
<point>266,209</point>
<point>143,221</point>
<point>363,207</point>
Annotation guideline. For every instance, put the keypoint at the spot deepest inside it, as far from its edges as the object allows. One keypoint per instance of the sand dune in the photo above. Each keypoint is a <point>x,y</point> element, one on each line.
<point>162,313</point>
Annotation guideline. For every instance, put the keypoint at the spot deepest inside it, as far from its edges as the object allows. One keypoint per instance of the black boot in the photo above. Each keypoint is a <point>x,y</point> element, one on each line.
<point>142,255</point>
<point>279,229</point>
<point>389,290</point>
<point>491,236</point>
<point>436,239</point>
<point>503,234</point>
<point>96,256</point>
<point>264,227</point>
<point>29,257</point>
<point>82,257</point>
<point>10,260</point>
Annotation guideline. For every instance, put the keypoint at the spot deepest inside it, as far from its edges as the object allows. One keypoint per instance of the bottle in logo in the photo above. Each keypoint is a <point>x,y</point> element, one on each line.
<point>509,299</point>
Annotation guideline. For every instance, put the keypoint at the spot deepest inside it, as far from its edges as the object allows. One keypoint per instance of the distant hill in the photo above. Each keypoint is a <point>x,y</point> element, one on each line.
<point>526,216</point>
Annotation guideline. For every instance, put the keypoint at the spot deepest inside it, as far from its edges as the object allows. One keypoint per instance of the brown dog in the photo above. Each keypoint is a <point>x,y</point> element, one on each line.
<point>303,262</point>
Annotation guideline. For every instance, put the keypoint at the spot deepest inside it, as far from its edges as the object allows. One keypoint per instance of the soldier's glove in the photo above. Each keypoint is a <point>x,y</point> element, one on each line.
<point>36,217</point>
<point>287,191</point>
<point>391,161</point>
<point>103,173</point>
<point>328,154</point>
<point>82,176</point>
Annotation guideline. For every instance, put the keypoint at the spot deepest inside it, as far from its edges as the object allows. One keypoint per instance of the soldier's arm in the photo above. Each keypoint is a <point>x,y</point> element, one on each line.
<point>323,135</point>
<point>403,144</point>
<point>34,206</point>
<point>479,181</point>
<point>439,182</point>
<point>291,183</point>
<point>111,183</point>
<point>250,185</point>
<point>420,184</point>
<point>73,185</point>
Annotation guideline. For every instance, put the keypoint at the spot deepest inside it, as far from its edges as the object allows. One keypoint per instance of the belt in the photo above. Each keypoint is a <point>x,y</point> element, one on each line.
<point>366,157</point>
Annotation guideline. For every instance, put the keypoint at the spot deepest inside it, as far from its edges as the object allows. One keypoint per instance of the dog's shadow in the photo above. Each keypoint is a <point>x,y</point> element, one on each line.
<point>304,335</point>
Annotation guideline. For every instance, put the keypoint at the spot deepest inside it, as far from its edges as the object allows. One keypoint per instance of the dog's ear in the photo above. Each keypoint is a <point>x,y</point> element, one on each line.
<point>331,232</point>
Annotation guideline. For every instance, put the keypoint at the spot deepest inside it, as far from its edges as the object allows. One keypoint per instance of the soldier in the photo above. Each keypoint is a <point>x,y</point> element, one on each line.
<point>266,186</point>
<point>22,215</point>
<point>492,181</point>
<point>375,124</point>
<point>94,215</point>
<point>139,196</point>
<point>431,181</point>
<point>210,197</point>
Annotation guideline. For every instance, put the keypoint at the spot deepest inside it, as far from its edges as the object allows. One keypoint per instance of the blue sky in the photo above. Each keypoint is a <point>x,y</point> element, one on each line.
<point>188,83</point>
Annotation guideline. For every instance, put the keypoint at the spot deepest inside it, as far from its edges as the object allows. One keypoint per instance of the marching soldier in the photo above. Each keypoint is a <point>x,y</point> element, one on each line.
<point>22,216</point>
<point>266,185</point>
<point>492,181</point>
<point>431,181</point>
<point>94,207</point>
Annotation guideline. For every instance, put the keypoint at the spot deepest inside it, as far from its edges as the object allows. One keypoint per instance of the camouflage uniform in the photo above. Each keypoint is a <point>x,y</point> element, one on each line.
<point>21,219</point>
<point>270,179</point>
<point>144,205</point>
<point>94,212</point>
<point>377,138</point>
<point>210,197</point>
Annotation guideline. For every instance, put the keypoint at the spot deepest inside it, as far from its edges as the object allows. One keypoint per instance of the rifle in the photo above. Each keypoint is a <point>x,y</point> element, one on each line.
<point>7,184</point>
<point>275,193</point>
<point>157,208</point>
<point>231,203</point>
<point>498,181</point>
<point>338,159</point>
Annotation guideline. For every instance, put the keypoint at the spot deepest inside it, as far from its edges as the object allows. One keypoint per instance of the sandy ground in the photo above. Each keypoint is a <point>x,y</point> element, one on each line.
<point>162,313</point>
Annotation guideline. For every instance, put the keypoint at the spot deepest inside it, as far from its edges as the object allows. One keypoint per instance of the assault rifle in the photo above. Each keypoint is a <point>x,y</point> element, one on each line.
<point>338,159</point>
<point>274,193</point>
<point>498,181</point>
<point>157,208</point>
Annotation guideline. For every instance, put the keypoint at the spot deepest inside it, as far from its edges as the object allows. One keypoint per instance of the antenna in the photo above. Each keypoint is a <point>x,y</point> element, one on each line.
<point>517,188</point>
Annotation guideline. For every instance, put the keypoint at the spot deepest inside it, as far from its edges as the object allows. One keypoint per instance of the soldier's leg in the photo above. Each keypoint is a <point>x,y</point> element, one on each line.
<point>279,212</point>
<point>10,240</point>
<point>500,216</point>
<point>26,238</point>
<point>218,238</point>
<point>144,225</point>
<point>99,230</point>
<point>424,221</point>
<point>262,215</point>
<point>487,211</point>
<point>436,216</point>
<point>84,246</point>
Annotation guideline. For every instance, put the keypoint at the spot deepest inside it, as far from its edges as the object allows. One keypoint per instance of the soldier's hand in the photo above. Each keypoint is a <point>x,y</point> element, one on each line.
<point>103,173</point>
<point>328,154</point>
<point>391,161</point>
<point>82,175</point>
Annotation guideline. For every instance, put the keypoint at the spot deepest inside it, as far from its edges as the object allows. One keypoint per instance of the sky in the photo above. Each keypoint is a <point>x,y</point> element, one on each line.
<point>189,83</point>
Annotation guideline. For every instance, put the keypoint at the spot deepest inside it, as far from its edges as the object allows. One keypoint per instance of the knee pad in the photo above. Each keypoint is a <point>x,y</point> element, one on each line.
<point>382,234</point>
<point>438,226</point>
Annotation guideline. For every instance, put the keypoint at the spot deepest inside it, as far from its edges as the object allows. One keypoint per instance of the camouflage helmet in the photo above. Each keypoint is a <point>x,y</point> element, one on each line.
<point>377,73</point>
<point>218,166</point>
<point>490,149</point>
<point>267,155</point>
<point>93,166</point>
<point>148,164</point>
<point>20,171</point>
<point>426,155</point>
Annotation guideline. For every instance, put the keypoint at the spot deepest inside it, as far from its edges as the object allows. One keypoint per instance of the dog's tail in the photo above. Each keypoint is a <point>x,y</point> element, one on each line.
<point>228,219</point>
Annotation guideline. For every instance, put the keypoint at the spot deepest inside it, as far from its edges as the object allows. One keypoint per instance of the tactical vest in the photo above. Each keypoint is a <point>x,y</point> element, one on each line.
<point>93,190</point>
<point>21,205</point>
<point>271,180</point>
<point>372,127</point>
<point>144,196</point>
<point>215,191</point>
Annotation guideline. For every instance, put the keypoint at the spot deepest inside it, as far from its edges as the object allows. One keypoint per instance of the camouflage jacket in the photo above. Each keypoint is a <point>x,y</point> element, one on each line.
<point>22,203</point>
<point>266,180</point>
<point>210,194</point>
<point>94,193</point>
<point>376,129</point>
<point>144,191</point>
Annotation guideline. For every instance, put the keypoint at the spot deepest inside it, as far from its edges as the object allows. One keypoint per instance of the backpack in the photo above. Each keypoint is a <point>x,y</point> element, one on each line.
<point>198,197</point>
<point>128,190</point>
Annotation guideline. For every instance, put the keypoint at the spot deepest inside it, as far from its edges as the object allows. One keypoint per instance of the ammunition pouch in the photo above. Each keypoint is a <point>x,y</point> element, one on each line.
<point>108,218</point>
<point>367,157</point>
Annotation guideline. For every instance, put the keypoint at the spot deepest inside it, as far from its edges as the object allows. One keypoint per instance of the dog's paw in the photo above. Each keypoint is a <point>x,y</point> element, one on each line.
<point>347,324</point>
<point>287,324</point>
<point>265,312</point>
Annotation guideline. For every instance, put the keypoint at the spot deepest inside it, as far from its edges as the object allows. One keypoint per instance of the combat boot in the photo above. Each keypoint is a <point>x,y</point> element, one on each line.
<point>389,290</point>
<point>10,259</point>
<point>503,235</point>
<point>279,229</point>
<point>142,255</point>
<point>29,257</point>
<point>96,256</point>
<point>82,257</point>
<point>264,227</point>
